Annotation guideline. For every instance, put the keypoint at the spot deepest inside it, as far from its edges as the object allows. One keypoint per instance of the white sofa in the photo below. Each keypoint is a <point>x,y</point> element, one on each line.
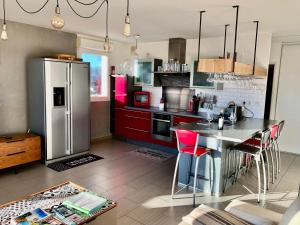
<point>242,213</point>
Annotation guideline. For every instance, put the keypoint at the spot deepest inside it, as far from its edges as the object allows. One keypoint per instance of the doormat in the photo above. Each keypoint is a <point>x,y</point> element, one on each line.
<point>152,154</point>
<point>73,162</point>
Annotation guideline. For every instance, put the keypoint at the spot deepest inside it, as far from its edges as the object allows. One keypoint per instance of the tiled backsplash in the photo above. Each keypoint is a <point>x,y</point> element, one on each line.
<point>254,97</point>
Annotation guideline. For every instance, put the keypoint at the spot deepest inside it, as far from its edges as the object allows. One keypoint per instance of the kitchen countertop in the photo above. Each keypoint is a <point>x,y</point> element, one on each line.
<point>200,115</point>
<point>238,132</point>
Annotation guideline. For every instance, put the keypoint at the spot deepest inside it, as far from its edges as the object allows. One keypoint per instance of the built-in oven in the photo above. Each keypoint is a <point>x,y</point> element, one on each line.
<point>161,124</point>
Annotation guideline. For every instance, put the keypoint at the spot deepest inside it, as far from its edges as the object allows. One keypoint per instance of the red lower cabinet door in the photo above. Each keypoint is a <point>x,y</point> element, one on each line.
<point>137,125</point>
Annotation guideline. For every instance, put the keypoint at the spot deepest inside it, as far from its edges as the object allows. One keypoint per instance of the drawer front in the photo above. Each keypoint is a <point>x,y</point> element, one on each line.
<point>137,134</point>
<point>177,120</point>
<point>138,114</point>
<point>20,157</point>
<point>137,123</point>
<point>11,148</point>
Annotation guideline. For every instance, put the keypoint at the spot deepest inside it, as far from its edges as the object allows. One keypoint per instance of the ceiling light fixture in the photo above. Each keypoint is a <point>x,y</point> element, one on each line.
<point>127,30</point>
<point>57,22</point>
<point>4,32</point>
<point>135,52</point>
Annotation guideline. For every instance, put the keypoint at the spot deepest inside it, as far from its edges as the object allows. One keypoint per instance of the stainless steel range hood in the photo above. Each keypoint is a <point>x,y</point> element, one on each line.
<point>177,49</point>
<point>177,52</point>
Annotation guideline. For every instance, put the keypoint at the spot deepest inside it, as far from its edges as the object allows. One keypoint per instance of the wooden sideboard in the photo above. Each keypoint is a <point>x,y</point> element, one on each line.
<point>19,149</point>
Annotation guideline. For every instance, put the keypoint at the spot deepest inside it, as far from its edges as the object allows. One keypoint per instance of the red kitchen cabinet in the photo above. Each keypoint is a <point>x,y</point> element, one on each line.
<point>137,125</point>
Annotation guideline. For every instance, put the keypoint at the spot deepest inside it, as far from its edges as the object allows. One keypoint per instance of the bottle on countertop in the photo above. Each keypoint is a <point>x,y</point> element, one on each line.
<point>162,104</point>
<point>221,120</point>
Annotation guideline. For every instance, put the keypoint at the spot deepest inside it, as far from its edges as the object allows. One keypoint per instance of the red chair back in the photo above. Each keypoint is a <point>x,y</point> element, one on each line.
<point>274,131</point>
<point>186,138</point>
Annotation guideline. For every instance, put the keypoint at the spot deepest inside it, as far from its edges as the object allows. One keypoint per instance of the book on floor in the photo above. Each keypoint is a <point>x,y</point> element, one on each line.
<point>85,202</point>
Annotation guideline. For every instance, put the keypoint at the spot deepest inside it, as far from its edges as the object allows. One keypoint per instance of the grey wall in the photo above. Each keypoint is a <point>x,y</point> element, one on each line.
<point>24,42</point>
<point>100,117</point>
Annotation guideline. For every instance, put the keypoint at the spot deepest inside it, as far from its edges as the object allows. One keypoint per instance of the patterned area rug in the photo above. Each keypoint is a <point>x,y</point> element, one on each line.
<point>152,154</point>
<point>73,162</point>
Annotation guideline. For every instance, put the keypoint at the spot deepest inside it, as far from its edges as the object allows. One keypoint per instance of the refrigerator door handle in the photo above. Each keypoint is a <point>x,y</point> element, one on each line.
<point>68,114</point>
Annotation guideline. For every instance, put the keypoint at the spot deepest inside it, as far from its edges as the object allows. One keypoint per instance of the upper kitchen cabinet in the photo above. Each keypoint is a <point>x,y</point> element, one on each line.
<point>144,71</point>
<point>199,79</point>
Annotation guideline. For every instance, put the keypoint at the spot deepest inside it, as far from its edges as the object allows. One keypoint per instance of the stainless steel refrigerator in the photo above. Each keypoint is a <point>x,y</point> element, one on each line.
<point>59,106</point>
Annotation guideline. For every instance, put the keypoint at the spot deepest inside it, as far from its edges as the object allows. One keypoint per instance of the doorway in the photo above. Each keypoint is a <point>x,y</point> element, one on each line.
<point>287,103</point>
<point>269,91</point>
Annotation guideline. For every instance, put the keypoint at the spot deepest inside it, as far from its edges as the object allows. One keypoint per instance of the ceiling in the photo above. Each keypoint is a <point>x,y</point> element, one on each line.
<point>158,20</point>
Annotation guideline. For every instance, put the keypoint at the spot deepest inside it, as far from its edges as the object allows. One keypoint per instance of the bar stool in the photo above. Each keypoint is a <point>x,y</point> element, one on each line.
<point>256,153</point>
<point>280,128</point>
<point>187,143</point>
<point>255,141</point>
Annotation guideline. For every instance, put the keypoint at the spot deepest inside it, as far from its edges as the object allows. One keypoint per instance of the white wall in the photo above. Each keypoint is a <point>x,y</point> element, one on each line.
<point>212,48</point>
<point>100,110</point>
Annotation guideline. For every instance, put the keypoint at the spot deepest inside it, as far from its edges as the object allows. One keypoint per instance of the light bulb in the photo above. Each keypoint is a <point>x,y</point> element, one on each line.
<point>127,31</point>
<point>106,46</point>
<point>4,33</point>
<point>56,21</point>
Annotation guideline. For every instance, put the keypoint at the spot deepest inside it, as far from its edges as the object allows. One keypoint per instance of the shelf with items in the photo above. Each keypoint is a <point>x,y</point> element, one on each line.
<point>226,66</point>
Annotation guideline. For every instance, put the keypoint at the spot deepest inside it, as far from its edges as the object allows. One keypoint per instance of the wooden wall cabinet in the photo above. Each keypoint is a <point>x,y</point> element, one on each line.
<point>19,149</point>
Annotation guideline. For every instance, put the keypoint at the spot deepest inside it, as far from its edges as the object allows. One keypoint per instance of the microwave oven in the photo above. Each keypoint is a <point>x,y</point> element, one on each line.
<point>142,99</point>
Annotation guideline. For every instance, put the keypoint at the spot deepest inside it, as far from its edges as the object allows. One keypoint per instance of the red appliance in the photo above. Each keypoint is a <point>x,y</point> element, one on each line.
<point>142,99</point>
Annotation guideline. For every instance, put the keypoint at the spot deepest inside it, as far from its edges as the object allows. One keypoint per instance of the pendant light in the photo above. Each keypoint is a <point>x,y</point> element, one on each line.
<point>127,30</point>
<point>199,39</point>
<point>135,52</point>
<point>4,32</point>
<point>56,21</point>
<point>106,46</point>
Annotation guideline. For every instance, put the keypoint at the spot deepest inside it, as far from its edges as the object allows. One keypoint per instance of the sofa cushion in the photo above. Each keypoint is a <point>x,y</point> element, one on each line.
<point>292,215</point>
<point>204,215</point>
<point>253,214</point>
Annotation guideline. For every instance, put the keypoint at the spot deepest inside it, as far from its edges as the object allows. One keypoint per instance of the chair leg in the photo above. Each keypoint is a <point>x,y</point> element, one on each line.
<point>276,158</point>
<point>273,166</point>
<point>195,181</point>
<point>264,173</point>
<point>279,156</point>
<point>239,165</point>
<point>175,174</point>
<point>211,170</point>
<point>268,169</point>
<point>258,178</point>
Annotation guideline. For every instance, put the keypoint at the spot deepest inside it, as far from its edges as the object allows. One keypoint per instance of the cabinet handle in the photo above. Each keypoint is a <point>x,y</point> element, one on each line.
<point>145,131</point>
<point>160,120</point>
<point>16,153</point>
<point>135,117</point>
<point>12,141</point>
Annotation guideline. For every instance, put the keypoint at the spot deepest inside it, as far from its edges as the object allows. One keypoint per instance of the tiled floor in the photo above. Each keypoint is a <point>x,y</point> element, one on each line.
<point>142,187</point>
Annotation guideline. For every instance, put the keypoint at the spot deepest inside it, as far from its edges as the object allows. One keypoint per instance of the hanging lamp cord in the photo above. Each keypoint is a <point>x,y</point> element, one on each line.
<point>127,7</point>
<point>86,17</point>
<point>106,18</point>
<point>68,1</point>
<point>4,16</point>
<point>35,11</point>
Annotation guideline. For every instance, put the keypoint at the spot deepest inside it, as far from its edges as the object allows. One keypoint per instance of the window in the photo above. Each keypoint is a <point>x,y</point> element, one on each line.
<point>98,75</point>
